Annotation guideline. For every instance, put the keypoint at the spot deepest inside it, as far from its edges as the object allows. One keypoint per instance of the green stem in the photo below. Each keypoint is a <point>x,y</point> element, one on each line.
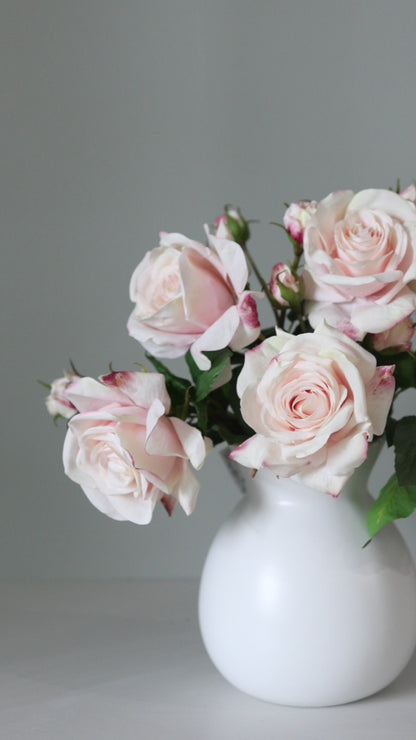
<point>269,295</point>
<point>298,254</point>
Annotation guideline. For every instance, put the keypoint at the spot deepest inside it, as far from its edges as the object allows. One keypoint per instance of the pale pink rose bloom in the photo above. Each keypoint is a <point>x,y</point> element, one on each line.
<point>409,193</point>
<point>282,273</point>
<point>57,402</point>
<point>315,402</point>
<point>398,337</point>
<point>360,255</point>
<point>123,450</point>
<point>297,217</point>
<point>189,296</point>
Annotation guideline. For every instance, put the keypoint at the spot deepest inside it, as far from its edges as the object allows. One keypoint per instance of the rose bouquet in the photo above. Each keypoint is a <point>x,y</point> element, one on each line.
<point>303,398</point>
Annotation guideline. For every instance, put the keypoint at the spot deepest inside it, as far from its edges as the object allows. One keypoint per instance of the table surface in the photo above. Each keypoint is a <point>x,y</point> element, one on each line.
<point>124,659</point>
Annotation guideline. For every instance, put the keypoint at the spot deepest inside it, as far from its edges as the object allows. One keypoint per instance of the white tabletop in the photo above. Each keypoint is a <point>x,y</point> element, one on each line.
<point>123,659</point>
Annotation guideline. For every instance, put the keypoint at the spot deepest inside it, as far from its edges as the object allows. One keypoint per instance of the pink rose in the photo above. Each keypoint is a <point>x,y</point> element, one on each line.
<point>57,402</point>
<point>315,401</point>
<point>360,255</point>
<point>283,278</point>
<point>297,217</point>
<point>123,450</point>
<point>193,297</point>
<point>399,337</point>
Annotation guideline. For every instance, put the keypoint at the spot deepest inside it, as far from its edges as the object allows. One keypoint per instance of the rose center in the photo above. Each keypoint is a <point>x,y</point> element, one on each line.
<point>165,290</point>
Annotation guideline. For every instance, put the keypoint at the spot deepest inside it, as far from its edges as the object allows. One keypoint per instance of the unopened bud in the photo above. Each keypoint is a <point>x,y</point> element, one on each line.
<point>286,288</point>
<point>57,403</point>
<point>297,217</point>
<point>231,225</point>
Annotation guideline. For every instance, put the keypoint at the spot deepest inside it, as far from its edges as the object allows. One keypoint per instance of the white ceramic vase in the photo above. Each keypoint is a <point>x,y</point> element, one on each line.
<point>293,609</point>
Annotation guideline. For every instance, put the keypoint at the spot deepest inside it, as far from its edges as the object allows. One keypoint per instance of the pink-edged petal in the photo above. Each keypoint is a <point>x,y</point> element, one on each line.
<point>385,201</point>
<point>247,308</point>
<point>176,240</point>
<point>162,440</point>
<point>251,453</point>
<point>151,464</point>
<point>217,336</point>
<point>87,394</point>
<point>152,481</point>
<point>257,360</point>
<point>380,396</point>
<point>330,210</point>
<point>316,292</point>
<point>249,327</point>
<point>206,295</point>
<point>195,446</point>
<point>321,479</point>
<point>375,318</point>
<point>102,502</point>
<point>349,453</point>
<point>336,315</point>
<point>364,361</point>
<point>154,416</point>
<point>393,276</point>
<point>142,388</point>
<point>136,510</point>
<point>187,489</point>
<point>169,502</point>
<point>233,259</point>
<point>164,325</point>
<point>158,342</point>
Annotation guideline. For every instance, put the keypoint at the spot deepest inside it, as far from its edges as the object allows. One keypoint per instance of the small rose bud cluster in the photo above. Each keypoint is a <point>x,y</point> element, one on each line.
<point>231,225</point>
<point>297,217</point>
<point>286,288</point>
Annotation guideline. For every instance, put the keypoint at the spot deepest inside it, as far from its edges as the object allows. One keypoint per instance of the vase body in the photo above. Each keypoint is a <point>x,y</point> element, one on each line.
<point>293,609</point>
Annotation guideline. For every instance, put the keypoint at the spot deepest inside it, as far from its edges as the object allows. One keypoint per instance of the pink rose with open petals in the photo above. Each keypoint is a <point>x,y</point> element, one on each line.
<point>123,450</point>
<point>360,255</point>
<point>189,296</point>
<point>315,401</point>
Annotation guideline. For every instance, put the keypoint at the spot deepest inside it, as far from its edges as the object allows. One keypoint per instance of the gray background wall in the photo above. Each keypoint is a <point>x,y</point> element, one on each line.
<point>123,118</point>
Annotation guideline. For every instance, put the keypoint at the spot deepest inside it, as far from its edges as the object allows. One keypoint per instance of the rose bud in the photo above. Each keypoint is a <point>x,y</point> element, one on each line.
<point>297,217</point>
<point>231,225</point>
<point>286,288</point>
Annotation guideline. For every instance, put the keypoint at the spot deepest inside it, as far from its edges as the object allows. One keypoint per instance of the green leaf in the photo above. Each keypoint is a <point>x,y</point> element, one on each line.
<point>394,502</point>
<point>45,385</point>
<point>193,367</point>
<point>205,380</point>
<point>405,370</point>
<point>202,413</point>
<point>389,430</point>
<point>177,387</point>
<point>405,450</point>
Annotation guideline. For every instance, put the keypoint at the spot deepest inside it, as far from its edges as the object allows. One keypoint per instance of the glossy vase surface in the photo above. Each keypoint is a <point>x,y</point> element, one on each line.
<point>293,609</point>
